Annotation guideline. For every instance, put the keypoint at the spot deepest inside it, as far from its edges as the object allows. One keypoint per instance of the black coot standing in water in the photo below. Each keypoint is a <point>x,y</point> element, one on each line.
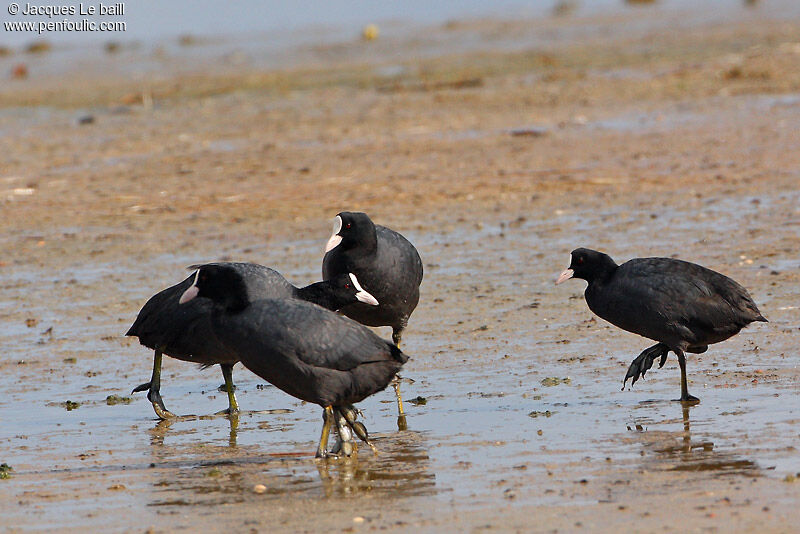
<point>307,351</point>
<point>184,332</point>
<point>386,264</point>
<point>683,306</point>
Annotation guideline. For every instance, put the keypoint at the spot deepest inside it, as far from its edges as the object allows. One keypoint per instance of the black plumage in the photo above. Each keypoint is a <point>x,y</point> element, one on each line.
<point>301,348</point>
<point>387,265</point>
<point>184,332</point>
<point>683,306</point>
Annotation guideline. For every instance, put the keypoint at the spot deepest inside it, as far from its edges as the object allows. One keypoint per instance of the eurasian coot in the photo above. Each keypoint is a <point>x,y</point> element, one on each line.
<point>184,332</point>
<point>683,306</point>
<point>387,265</point>
<point>307,351</point>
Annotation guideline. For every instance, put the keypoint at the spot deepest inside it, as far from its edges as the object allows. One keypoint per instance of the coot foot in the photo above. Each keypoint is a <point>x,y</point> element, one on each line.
<point>357,427</point>
<point>689,399</point>
<point>153,389</point>
<point>344,440</point>
<point>141,387</point>
<point>346,426</point>
<point>402,423</point>
<point>158,405</point>
<point>644,361</point>
<point>228,412</point>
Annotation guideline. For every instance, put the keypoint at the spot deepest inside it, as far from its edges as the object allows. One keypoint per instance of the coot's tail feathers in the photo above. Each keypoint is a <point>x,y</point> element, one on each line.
<point>397,354</point>
<point>643,362</point>
<point>761,318</point>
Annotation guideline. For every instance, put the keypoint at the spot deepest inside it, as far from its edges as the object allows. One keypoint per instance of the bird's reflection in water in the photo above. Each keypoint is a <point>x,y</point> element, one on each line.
<point>165,426</point>
<point>679,451</point>
<point>402,467</point>
<point>192,474</point>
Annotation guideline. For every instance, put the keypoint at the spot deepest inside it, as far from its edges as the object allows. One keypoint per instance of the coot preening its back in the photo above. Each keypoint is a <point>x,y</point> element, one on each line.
<point>683,306</point>
<point>305,350</point>
<point>387,265</point>
<point>184,332</point>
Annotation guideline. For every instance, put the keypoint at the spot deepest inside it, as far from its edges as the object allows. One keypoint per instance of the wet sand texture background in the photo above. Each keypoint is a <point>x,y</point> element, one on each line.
<point>639,134</point>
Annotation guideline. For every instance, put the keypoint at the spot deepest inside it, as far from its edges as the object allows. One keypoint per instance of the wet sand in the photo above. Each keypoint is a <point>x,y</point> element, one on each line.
<point>495,162</point>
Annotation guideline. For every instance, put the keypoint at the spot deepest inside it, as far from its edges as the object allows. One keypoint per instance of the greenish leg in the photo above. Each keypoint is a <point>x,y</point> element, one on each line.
<point>154,389</point>
<point>227,374</point>
<point>397,334</point>
<point>402,423</point>
<point>327,421</point>
<point>396,387</point>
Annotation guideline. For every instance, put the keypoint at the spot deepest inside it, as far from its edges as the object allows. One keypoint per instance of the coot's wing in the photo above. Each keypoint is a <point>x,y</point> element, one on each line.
<point>402,252</point>
<point>669,300</point>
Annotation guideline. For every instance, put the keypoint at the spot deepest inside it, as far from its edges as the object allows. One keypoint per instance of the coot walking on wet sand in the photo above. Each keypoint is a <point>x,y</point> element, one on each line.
<point>305,350</point>
<point>683,306</point>
<point>184,332</point>
<point>387,265</point>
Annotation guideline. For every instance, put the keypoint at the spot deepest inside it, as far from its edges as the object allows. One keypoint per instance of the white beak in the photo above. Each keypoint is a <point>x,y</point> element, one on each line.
<point>566,275</point>
<point>335,239</point>
<point>362,295</point>
<point>192,292</point>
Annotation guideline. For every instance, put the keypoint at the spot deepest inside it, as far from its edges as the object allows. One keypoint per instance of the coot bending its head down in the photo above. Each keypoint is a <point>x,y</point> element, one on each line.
<point>387,265</point>
<point>683,306</point>
<point>305,350</point>
<point>184,332</point>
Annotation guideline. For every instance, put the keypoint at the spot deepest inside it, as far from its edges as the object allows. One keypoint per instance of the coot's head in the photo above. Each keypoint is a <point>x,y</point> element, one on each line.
<point>346,289</point>
<point>588,265</point>
<point>350,229</point>
<point>220,283</point>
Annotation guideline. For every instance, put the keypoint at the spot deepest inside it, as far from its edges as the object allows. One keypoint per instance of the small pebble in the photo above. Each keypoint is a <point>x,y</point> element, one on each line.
<point>259,488</point>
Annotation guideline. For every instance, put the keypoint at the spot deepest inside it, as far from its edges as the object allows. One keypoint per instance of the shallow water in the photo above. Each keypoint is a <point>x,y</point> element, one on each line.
<point>207,19</point>
<point>513,392</point>
<point>552,409</point>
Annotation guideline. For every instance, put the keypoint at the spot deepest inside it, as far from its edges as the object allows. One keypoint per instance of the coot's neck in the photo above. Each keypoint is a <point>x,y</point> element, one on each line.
<point>602,271</point>
<point>234,300</point>
<point>366,242</point>
<point>321,294</point>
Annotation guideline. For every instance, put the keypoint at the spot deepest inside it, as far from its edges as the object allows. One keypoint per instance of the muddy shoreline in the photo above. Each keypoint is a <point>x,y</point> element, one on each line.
<point>668,140</point>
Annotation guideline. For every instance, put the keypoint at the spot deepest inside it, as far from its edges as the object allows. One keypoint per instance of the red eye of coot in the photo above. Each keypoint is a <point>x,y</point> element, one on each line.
<point>347,286</point>
<point>347,225</point>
